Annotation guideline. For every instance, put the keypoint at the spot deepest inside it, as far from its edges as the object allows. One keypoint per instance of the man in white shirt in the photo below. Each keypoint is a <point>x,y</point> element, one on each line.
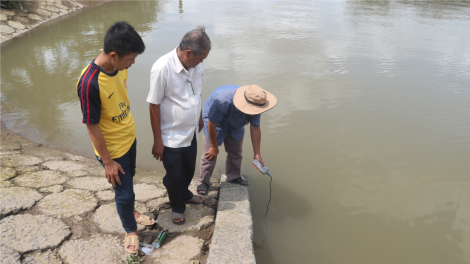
<point>176,81</point>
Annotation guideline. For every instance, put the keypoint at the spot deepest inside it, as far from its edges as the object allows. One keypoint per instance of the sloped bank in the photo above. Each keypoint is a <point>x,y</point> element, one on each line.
<point>30,14</point>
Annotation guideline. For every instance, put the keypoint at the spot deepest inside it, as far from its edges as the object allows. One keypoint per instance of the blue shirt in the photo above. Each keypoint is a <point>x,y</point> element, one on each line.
<point>220,110</point>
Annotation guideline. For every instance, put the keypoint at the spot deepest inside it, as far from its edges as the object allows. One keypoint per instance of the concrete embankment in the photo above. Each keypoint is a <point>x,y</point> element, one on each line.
<point>232,241</point>
<point>59,208</point>
<point>30,14</point>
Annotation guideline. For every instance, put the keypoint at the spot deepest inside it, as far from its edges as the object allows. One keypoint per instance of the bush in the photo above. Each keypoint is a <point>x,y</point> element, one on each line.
<point>10,4</point>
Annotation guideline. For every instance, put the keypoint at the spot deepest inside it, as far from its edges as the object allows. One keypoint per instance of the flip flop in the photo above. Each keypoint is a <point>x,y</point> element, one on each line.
<point>240,181</point>
<point>175,216</point>
<point>145,220</point>
<point>195,200</point>
<point>202,188</point>
<point>131,241</point>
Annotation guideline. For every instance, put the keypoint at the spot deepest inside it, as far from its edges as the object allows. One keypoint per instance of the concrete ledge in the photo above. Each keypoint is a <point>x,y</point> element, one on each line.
<point>232,241</point>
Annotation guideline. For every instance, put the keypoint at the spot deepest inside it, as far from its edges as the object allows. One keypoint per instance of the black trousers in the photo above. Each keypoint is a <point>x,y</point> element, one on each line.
<point>179,164</point>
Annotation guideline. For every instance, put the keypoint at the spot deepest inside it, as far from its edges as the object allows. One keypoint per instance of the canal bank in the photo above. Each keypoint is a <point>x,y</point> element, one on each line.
<point>19,17</point>
<point>59,207</point>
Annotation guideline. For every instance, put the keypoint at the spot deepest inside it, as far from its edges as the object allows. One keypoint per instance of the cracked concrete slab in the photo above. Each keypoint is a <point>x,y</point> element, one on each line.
<point>17,198</point>
<point>44,153</point>
<point>4,29</point>
<point>108,220</point>
<point>35,17</point>
<point>52,9</point>
<point>91,183</point>
<point>45,257</point>
<point>9,255</point>
<point>52,189</point>
<point>146,192</point>
<point>74,157</point>
<point>15,24</point>
<point>8,12</point>
<point>8,146</point>
<point>43,12</point>
<point>156,204</point>
<point>197,217</point>
<point>26,169</point>
<point>154,178</point>
<point>68,203</point>
<point>74,168</point>
<point>7,173</point>
<point>20,160</point>
<point>4,184</point>
<point>96,249</point>
<point>26,232</point>
<point>39,179</point>
<point>180,250</point>
<point>105,195</point>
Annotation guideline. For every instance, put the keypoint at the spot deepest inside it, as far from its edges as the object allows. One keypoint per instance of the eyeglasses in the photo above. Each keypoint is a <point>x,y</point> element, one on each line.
<point>189,81</point>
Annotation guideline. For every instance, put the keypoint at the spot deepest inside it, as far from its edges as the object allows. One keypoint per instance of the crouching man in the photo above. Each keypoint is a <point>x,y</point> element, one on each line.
<point>102,89</point>
<point>226,112</point>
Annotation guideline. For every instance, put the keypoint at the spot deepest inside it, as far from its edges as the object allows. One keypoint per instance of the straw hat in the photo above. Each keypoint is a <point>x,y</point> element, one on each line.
<point>253,100</point>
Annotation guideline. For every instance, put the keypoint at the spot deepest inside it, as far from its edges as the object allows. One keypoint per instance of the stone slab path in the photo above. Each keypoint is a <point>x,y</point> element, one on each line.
<point>58,207</point>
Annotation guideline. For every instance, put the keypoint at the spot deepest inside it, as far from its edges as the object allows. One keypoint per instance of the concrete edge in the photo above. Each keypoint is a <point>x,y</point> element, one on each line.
<point>232,241</point>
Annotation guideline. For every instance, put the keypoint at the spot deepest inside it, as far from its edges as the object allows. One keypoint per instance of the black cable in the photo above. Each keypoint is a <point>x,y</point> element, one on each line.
<point>267,207</point>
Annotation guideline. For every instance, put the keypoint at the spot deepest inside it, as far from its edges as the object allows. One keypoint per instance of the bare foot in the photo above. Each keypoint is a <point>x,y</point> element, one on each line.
<point>178,220</point>
<point>136,214</point>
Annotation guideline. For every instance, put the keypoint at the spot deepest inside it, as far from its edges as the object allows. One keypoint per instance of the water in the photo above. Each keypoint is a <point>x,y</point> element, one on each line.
<point>369,143</point>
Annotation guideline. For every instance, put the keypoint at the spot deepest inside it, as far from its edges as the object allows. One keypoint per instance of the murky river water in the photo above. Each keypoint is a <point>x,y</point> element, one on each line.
<point>369,145</point>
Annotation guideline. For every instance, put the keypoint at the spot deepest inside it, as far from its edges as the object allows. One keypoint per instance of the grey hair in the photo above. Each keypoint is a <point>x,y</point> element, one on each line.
<point>196,40</point>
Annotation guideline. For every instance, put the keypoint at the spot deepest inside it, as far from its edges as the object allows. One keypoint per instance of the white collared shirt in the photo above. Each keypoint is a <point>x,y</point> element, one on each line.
<point>180,102</point>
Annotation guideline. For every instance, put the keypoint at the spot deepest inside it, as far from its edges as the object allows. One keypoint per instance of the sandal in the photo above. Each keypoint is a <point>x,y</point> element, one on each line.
<point>175,216</point>
<point>145,220</point>
<point>240,181</point>
<point>195,200</point>
<point>202,189</point>
<point>131,241</point>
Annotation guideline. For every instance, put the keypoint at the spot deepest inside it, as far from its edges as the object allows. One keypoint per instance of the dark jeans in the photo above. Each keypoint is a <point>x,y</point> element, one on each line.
<point>124,193</point>
<point>179,164</point>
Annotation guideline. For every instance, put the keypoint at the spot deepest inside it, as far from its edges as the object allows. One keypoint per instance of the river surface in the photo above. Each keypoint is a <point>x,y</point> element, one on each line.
<point>369,145</point>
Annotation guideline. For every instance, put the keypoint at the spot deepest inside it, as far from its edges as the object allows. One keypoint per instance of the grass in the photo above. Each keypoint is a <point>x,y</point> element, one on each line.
<point>11,4</point>
<point>132,259</point>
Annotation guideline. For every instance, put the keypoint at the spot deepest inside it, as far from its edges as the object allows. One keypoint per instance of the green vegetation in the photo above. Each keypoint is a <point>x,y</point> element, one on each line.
<point>10,4</point>
<point>132,259</point>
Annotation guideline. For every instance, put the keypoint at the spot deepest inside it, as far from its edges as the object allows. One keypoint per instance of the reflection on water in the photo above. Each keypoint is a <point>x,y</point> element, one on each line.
<point>368,146</point>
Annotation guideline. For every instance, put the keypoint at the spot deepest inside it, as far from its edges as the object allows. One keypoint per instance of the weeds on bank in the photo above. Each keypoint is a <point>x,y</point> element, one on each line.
<point>11,4</point>
<point>132,259</point>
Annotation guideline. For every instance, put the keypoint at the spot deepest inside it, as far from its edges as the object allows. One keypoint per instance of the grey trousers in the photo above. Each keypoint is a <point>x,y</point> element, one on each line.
<point>233,163</point>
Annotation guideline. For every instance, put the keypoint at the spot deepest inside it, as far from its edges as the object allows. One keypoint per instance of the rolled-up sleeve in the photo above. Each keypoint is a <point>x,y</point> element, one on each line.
<point>158,81</point>
<point>217,111</point>
<point>255,120</point>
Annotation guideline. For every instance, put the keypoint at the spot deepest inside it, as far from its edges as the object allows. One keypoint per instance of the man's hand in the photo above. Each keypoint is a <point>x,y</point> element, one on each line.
<point>258,157</point>
<point>111,170</point>
<point>212,153</point>
<point>157,150</point>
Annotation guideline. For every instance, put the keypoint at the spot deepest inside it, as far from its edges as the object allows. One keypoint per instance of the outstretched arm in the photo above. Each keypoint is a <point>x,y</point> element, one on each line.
<point>256,142</point>
<point>112,168</point>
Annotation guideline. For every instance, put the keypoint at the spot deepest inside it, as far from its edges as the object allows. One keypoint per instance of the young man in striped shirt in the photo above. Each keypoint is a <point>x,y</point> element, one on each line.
<point>102,89</point>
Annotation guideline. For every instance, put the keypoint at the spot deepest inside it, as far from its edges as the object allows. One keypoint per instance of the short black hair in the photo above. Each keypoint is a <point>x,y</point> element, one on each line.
<point>123,39</point>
